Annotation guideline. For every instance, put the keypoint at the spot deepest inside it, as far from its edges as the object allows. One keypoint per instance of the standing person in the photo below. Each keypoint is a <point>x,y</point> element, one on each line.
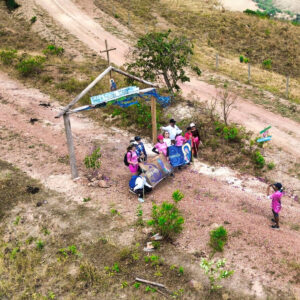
<point>196,139</point>
<point>132,159</point>
<point>180,140</point>
<point>276,202</point>
<point>167,139</point>
<point>161,146</point>
<point>172,129</point>
<point>188,135</point>
<point>140,149</point>
<point>139,186</point>
<point>113,85</point>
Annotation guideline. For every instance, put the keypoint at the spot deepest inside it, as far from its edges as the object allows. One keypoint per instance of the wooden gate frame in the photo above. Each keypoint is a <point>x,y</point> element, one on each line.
<point>66,111</point>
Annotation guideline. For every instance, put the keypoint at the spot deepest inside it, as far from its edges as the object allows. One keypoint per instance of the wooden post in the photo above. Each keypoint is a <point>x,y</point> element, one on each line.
<point>153,114</point>
<point>287,86</point>
<point>217,60</point>
<point>70,146</point>
<point>249,72</point>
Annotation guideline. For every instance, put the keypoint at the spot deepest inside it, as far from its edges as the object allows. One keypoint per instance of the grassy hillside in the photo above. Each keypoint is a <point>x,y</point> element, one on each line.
<point>230,34</point>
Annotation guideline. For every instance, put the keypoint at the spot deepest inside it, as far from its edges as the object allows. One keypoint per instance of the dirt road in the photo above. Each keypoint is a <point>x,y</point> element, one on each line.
<point>285,132</point>
<point>85,28</point>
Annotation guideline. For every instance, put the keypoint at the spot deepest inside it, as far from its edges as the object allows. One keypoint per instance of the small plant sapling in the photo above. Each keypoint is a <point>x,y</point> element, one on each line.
<point>33,19</point>
<point>271,166</point>
<point>139,214</point>
<point>8,56</point>
<point>86,199</point>
<point>218,238</point>
<point>137,285</point>
<point>124,284</point>
<point>17,220</point>
<point>258,159</point>
<point>40,245</point>
<point>180,271</point>
<point>54,50</point>
<point>215,272</point>
<point>166,218</point>
<point>31,65</point>
<point>93,161</point>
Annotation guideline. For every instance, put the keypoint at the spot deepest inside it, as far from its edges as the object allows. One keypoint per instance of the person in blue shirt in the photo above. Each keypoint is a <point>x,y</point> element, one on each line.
<point>140,149</point>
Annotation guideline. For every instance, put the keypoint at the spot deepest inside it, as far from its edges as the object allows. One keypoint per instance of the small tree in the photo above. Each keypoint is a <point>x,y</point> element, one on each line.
<point>228,100</point>
<point>215,272</point>
<point>166,218</point>
<point>156,54</point>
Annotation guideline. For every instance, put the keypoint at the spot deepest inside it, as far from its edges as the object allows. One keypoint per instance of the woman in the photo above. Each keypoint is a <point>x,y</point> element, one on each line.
<point>161,146</point>
<point>132,159</point>
<point>276,202</point>
<point>196,139</point>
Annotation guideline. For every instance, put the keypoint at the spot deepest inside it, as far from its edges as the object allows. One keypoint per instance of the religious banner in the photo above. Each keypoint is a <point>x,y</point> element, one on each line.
<point>179,156</point>
<point>156,169</point>
<point>107,97</point>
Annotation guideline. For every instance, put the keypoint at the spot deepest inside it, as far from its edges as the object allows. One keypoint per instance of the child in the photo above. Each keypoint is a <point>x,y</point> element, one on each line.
<point>132,159</point>
<point>167,139</point>
<point>161,146</point>
<point>180,140</point>
<point>139,186</point>
<point>196,139</point>
<point>140,149</point>
<point>276,202</point>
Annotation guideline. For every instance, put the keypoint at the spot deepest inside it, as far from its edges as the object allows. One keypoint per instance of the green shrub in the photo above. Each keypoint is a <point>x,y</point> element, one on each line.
<point>72,85</point>
<point>8,56</point>
<point>197,70</point>
<point>31,65</point>
<point>271,166</point>
<point>166,218</point>
<point>218,238</point>
<point>93,161</point>
<point>230,133</point>
<point>12,4</point>
<point>241,58</point>
<point>258,159</point>
<point>267,63</point>
<point>33,19</point>
<point>40,245</point>
<point>54,50</point>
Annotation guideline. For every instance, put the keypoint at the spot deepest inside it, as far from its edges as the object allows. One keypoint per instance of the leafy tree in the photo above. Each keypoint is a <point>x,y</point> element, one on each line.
<point>158,54</point>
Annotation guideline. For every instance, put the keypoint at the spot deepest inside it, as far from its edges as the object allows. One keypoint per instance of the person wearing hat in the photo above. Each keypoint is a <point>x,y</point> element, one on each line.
<point>140,149</point>
<point>172,129</point>
<point>195,140</point>
<point>161,146</point>
<point>276,202</point>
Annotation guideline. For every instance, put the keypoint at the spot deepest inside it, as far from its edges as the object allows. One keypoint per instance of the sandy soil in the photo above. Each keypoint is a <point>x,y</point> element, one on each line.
<point>239,201</point>
<point>239,5</point>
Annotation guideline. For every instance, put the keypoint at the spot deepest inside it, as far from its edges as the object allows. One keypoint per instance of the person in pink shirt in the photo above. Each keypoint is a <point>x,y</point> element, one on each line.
<point>161,146</point>
<point>276,202</point>
<point>132,159</point>
<point>180,140</point>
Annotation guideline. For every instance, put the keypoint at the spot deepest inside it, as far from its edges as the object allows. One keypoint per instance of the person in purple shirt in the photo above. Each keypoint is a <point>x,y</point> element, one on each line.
<point>276,202</point>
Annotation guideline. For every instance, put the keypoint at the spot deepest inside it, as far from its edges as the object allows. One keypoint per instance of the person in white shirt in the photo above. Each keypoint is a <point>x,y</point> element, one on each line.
<point>139,186</point>
<point>172,129</point>
<point>167,139</point>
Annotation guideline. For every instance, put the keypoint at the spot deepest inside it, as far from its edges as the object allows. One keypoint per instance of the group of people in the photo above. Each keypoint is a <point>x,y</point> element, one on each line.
<point>136,153</point>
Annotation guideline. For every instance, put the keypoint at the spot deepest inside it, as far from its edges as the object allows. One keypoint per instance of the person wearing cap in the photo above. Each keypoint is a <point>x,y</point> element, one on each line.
<point>196,139</point>
<point>172,129</point>
<point>276,202</point>
<point>140,149</point>
<point>161,146</point>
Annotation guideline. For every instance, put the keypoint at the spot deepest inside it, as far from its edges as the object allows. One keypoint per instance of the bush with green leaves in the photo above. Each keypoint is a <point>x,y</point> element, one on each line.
<point>258,159</point>
<point>33,19</point>
<point>271,166</point>
<point>12,4</point>
<point>166,218</point>
<point>231,133</point>
<point>54,50</point>
<point>218,238</point>
<point>267,63</point>
<point>93,161</point>
<point>8,56</point>
<point>31,65</point>
<point>215,271</point>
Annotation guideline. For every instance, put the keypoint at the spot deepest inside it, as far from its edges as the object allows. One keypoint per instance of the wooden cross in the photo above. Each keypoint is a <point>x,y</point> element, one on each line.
<point>107,51</point>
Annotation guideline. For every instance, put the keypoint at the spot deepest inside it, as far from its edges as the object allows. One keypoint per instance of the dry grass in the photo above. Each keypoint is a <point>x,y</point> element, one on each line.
<point>230,34</point>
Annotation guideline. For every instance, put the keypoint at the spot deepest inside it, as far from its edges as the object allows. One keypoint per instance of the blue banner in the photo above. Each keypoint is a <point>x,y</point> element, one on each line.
<point>180,156</point>
<point>104,98</point>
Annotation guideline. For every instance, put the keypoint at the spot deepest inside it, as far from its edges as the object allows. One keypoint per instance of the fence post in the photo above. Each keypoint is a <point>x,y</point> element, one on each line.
<point>287,86</point>
<point>249,72</point>
<point>217,60</point>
